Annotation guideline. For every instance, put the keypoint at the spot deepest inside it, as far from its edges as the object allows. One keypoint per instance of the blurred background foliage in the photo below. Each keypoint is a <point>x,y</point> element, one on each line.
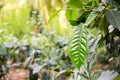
<point>20,17</point>
<point>34,32</point>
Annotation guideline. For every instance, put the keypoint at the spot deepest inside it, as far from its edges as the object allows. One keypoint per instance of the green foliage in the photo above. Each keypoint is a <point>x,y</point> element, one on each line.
<point>71,14</point>
<point>27,38</point>
<point>101,19</point>
<point>3,54</point>
<point>90,18</point>
<point>2,50</point>
<point>75,4</point>
<point>103,25</point>
<point>78,46</point>
<point>54,14</point>
<point>113,18</point>
<point>15,21</point>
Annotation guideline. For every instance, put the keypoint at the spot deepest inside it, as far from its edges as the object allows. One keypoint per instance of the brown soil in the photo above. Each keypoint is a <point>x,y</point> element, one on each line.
<point>15,73</point>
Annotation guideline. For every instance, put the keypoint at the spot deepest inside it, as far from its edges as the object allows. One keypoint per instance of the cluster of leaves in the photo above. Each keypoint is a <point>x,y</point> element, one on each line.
<point>97,21</point>
<point>45,51</point>
<point>20,26</point>
<point>94,14</point>
<point>51,54</point>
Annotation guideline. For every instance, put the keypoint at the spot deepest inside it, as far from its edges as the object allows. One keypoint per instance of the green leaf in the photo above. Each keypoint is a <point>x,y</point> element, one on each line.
<point>113,18</point>
<point>74,22</point>
<point>36,68</point>
<point>54,14</point>
<point>71,14</point>
<point>90,18</point>
<point>93,43</point>
<point>27,61</point>
<point>103,25</point>
<point>78,46</point>
<point>75,4</point>
<point>74,18</point>
<point>60,73</point>
<point>88,5</point>
<point>2,50</point>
